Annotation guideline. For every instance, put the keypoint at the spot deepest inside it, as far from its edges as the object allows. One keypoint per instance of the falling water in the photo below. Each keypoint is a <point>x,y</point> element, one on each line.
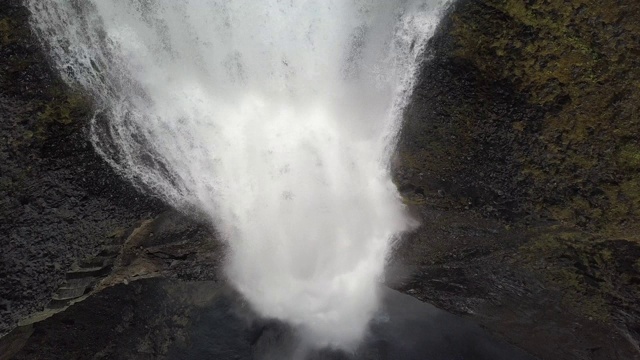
<point>274,118</point>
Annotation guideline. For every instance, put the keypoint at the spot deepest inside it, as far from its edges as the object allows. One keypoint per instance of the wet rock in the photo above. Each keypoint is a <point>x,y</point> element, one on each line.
<point>523,119</point>
<point>59,199</point>
<point>167,319</point>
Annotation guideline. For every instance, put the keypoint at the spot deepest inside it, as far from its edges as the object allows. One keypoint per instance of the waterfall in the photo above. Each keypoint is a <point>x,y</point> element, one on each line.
<point>275,119</point>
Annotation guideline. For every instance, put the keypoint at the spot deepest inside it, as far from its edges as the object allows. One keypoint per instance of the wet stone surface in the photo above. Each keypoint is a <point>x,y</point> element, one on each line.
<point>167,319</point>
<point>524,176</point>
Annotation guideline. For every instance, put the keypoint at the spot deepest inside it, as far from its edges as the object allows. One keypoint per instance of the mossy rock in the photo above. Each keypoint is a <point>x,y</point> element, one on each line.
<point>53,111</point>
<point>574,60</point>
<point>599,276</point>
<point>529,113</point>
<point>67,109</point>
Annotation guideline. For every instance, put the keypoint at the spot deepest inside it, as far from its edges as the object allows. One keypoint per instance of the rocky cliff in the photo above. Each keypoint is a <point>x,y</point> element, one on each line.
<point>59,202</point>
<point>519,153</point>
<point>526,119</point>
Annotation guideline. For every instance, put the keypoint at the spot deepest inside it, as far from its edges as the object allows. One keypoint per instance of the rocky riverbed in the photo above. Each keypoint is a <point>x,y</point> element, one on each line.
<point>519,154</point>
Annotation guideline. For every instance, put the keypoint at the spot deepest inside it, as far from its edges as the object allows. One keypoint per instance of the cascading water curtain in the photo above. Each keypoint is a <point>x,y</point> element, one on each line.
<point>274,118</point>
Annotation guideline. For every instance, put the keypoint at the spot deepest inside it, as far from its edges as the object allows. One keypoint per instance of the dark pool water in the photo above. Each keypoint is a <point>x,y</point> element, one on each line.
<point>404,329</point>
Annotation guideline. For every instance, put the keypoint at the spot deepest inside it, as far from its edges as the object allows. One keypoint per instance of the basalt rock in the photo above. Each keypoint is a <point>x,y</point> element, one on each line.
<point>519,152</point>
<point>59,201</point>
<point>526,119</point>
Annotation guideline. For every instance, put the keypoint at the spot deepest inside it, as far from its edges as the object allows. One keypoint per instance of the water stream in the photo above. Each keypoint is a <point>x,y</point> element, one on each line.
<point>274,119</point>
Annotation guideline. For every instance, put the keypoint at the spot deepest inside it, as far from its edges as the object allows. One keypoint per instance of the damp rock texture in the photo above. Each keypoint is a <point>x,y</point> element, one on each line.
<point>59,202</point>
<point>526,120</point>
<point>519,154</point>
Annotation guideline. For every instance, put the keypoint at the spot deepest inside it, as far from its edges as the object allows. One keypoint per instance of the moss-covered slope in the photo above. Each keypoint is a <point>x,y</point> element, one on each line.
<point>529,113</point>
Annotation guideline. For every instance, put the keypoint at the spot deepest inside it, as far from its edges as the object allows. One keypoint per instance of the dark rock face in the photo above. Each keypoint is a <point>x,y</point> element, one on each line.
<point>519,153</point>
<point>132,300</point>
<point>59,200</point>
<point>137,321</point>
<point>533,105</point>
<point>163,319</point>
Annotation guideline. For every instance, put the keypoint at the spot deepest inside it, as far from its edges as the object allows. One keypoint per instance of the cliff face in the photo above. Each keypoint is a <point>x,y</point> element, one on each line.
<point>528,116</point>
<point>520,153</point>
<point>59,202</point>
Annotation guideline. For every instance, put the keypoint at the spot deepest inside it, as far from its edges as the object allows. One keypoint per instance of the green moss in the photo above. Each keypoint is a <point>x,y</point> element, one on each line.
<point>117,233</point>
<point>629,157</point>
<point>414,200</point>
<point>631,191</point>
<point>5,31</point>
<point>587,270</point>
<point>65,110</point>
<point>568,58</point>
<point>576,294</point>
<point>12,30</point>
<point>564,137</point>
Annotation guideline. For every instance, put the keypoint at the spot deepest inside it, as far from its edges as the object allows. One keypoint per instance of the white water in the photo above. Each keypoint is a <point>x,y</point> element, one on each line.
<point>274,118</point>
